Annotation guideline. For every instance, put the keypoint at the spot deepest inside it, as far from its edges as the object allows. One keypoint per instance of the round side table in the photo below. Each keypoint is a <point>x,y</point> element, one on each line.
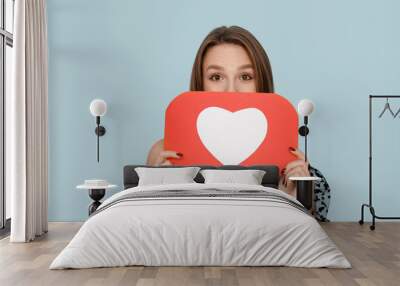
<point>305,190</point>
<point>96,193</point>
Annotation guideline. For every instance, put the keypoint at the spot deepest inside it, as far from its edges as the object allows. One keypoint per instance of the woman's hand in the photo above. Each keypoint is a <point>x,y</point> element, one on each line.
<point>296,168</point>
<point>159,157</point>
<point>162,158</point>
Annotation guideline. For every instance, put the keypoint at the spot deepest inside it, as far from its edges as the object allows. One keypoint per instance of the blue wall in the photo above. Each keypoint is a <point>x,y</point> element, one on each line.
<point>137,55</point>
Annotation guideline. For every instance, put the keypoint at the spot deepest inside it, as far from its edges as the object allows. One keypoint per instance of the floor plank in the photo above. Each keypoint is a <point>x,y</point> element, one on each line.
<point>375,257</point>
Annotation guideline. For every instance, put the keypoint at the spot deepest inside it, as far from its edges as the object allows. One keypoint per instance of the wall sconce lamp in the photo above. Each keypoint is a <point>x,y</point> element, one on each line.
<point>98,108</point>
<point>305,108</point>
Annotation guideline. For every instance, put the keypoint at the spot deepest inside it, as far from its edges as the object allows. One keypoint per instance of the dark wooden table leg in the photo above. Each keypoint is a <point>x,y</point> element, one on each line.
<point>305,193</point>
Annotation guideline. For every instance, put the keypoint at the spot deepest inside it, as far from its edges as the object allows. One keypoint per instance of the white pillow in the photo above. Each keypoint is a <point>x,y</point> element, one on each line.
<point>162,176</point>
<point>248,177</point>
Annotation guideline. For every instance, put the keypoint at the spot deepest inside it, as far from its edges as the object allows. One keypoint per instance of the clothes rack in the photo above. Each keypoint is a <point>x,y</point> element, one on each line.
<point>370,205</point>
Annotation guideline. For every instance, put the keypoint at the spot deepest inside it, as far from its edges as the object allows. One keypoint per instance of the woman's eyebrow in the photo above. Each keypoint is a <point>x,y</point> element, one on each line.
<point>246,66</point>
<point>215,67</point>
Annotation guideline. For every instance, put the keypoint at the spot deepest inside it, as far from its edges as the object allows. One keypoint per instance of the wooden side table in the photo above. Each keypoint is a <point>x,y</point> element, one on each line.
<point>96,193</point>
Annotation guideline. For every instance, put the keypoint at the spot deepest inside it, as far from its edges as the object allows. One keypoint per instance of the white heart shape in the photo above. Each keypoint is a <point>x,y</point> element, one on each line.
<point>231,137</point>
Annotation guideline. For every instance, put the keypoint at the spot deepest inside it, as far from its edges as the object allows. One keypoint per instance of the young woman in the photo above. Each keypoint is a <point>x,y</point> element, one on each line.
<point>230,59</point>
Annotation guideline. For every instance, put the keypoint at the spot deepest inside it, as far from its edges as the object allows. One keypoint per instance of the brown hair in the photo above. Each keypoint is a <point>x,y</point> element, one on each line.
<point>238,36</point>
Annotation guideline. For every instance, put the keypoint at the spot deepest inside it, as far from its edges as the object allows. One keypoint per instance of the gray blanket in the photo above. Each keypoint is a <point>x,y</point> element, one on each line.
<point>206,193</point>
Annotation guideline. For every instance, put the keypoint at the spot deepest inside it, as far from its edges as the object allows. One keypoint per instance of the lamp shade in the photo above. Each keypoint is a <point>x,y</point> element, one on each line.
<point>98,107</point>
<point>305,107</point>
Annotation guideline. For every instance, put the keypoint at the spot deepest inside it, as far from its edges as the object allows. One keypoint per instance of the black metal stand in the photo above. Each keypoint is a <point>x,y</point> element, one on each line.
<point>100,131</point>
<point>369,205</point>
<point>303,131</point>
<point>96,195</point>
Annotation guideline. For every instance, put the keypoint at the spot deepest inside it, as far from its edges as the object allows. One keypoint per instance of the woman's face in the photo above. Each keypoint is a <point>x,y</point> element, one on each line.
<point>227,67</point>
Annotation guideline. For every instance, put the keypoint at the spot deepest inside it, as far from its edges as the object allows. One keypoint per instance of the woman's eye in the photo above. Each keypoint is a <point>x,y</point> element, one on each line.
<point>215,77</point>
<point>246,77</point>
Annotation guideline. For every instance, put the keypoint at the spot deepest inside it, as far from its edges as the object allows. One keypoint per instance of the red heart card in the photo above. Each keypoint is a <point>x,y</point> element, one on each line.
<point>231,128</point>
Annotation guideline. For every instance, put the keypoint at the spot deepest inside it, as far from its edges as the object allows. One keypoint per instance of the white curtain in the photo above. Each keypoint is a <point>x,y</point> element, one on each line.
<point>27,123</point>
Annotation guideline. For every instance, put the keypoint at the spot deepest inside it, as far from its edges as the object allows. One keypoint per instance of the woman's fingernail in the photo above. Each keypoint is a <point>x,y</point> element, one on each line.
<point>179,154</point>
<point>291,149</point>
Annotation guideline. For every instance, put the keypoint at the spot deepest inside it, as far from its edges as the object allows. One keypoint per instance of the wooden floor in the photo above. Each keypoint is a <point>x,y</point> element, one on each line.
<point>375,257</point>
